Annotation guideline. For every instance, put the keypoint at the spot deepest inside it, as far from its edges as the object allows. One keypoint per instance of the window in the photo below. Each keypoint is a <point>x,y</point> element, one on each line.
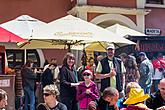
<point>33,55</point>
<point>16,58</point>
<point>155,2</point>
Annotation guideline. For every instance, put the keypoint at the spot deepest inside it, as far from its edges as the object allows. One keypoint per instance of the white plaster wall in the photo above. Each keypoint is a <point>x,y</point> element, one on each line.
<point>116,17</point>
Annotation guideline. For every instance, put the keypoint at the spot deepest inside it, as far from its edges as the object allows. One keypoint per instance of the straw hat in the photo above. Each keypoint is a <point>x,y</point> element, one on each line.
<point>136,95</point>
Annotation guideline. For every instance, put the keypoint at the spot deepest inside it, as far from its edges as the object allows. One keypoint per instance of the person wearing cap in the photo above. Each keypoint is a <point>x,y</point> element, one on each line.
<point>111,70</point>
<point>146,70</point>
<point>157,100</point>
<point>3,99</point>
<point>50,93</point>
<point>136,99</point>
<point>87,90</point>
<point>129,86</point>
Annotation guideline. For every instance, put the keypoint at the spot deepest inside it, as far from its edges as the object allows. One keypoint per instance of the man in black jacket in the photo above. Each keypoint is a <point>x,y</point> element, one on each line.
<point>157,100</point>
<point>28,83</point>
<point>111,70</point>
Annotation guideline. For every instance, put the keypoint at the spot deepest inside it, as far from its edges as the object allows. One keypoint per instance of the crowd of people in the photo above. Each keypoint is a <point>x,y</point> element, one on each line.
<point>124,84</point>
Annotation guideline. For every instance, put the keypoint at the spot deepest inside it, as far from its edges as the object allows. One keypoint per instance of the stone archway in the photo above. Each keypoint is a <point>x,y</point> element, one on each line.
<point>115,17</point>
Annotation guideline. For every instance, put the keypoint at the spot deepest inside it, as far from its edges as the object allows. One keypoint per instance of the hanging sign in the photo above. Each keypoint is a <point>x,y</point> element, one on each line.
<point>151,31</point>
<point>5,83</point>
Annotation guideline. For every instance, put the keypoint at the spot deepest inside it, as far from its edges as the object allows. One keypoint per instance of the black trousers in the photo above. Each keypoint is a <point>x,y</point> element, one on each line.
<point>70,102</point>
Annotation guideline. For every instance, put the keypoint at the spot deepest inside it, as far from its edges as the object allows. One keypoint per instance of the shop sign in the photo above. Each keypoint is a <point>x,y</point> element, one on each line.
<point>152,31</point>
<point>5,83</point>
<point>152,47</point>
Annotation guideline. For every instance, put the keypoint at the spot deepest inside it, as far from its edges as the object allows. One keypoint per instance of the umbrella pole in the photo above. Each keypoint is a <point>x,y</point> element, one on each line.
<point>25,56</point>
<point>116,45</point>
<point>102,45</point>
<point>69,45</point>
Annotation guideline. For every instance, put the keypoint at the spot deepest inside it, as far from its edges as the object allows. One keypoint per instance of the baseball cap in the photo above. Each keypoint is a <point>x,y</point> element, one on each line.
<point>87,72</point>
<point>110,46</point>
<point>142,54</point>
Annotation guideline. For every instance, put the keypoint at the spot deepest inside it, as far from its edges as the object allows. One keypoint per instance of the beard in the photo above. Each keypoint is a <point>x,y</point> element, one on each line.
<point>111,54</point>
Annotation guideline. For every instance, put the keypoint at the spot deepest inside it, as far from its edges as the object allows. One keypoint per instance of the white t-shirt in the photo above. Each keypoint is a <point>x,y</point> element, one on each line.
<point>56,71</point>
<point>158,74</point>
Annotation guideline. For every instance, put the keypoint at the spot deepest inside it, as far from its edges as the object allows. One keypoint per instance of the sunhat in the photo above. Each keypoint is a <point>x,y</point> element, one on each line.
<point>131,85</point>
<point>136,95</point>
<point>142,105</point>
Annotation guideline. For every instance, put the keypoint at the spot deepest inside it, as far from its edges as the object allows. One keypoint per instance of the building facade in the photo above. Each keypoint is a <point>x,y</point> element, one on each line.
<point>44,10</point>
<point>145,16</point>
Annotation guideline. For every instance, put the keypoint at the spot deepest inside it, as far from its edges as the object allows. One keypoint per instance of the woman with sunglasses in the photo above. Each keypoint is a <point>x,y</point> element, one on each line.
<point>87,90</point>
<point>68,82</point>
<point>50,95</point>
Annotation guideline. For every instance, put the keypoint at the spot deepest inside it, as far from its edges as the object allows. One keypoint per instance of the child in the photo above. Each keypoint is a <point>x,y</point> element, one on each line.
<point>87,90</point>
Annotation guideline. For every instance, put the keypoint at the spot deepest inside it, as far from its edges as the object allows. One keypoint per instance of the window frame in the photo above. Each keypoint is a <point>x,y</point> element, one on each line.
<point>161,2</point>
<point>155,5</point>
<point>16,63</point>
<point>37,56</point>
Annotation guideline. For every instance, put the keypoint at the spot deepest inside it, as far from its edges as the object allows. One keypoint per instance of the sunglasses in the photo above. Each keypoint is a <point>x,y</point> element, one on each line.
<point>86,74</point>
<point>46,94</point>
<point>71,58</point>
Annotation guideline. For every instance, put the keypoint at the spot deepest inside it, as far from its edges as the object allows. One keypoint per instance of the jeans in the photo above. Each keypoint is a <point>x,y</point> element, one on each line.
<point>70,102</point>
<point>19,103</point>
<point>29,98</point>
<point>147,89</point>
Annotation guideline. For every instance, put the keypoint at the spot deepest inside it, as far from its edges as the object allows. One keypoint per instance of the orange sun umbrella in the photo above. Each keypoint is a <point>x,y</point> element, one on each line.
<point>7,36</point>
